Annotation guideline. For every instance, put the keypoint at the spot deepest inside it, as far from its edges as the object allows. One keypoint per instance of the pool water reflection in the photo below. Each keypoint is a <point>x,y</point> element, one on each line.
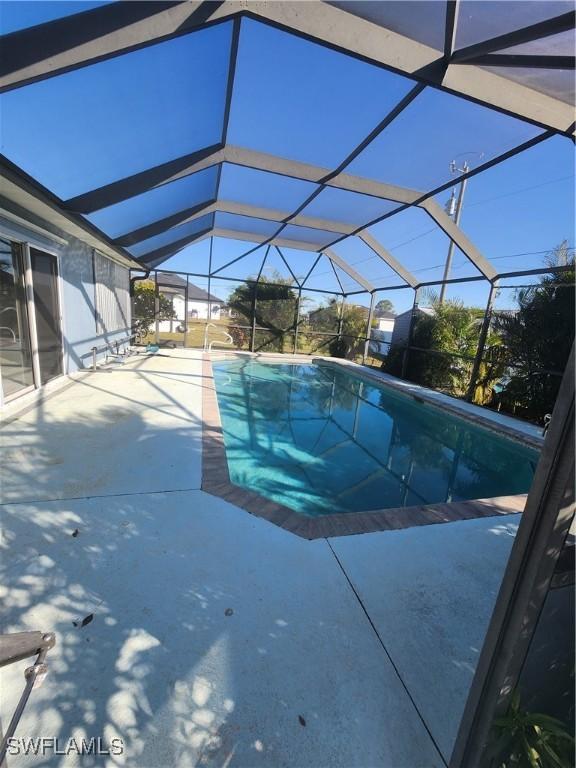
<point>321,440</point>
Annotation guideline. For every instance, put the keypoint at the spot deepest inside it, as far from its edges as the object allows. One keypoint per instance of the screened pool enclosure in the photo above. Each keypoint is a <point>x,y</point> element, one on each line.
<point>275,150</point>
<point>288,178</point>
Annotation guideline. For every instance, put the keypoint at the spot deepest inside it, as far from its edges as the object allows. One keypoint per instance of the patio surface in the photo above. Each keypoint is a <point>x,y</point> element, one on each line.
<point>217,638</point>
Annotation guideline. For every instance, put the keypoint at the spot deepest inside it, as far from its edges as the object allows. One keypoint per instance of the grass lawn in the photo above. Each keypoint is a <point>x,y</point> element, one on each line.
<point>308,342</point>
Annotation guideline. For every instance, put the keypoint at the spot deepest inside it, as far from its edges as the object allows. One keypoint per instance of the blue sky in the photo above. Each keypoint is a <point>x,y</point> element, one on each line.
<point>515,213</point>
<point>302,102</point>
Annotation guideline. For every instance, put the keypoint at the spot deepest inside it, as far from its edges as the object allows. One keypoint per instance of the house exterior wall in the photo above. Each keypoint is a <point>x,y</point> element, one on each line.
<point>76,288</point>
<point>197,310</point>
<point>401,328</point>
<point>386,324</point>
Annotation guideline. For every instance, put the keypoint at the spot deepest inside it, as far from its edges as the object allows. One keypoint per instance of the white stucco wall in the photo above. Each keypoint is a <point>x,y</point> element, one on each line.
<point>386,324</point>
<point>76,288</point>
<point>197,310</point>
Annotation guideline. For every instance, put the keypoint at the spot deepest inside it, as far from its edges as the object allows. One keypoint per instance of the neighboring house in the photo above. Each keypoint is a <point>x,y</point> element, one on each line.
<point>386,321</point>
<point>401,329</point>
<point>201,304</point>
<point>381,335</point>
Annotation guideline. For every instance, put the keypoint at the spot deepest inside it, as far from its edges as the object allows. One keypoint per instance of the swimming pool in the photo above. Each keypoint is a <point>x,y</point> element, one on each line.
<point>322,441</point>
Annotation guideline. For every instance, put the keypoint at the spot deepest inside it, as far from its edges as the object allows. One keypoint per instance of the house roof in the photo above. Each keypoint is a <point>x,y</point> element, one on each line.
<point>422,310</point>
<point>386,315</point>
<point>195,293</point>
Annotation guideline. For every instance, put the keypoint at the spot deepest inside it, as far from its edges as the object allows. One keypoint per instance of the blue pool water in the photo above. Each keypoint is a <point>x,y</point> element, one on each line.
<point>321,440</point>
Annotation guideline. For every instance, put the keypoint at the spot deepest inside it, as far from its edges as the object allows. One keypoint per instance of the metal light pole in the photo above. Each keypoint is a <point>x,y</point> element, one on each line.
<point>465,168</point>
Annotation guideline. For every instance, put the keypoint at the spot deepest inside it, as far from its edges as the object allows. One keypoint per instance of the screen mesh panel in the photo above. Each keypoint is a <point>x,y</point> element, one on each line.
<point>348,207</point>
<point>363,259</point>
<point>262,188</point>
<point>17,15</point>
<point>89,127</point>
<point>417,242</point>
<point>416,150</point>
<point>280,78</point>
<point>156,204</point>
<point>421,20</point>
<point>248,224</point>
<point>171,236</point>
<point>193,258</point>
<point>480,20</point>
<point>307,235</point>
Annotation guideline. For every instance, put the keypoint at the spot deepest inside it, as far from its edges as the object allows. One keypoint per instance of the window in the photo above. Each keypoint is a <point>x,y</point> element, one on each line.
<point>112,295</point>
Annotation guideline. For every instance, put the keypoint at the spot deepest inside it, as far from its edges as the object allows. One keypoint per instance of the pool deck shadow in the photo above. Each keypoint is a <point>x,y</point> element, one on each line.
<point>213,631</point>
<point>216,481</point>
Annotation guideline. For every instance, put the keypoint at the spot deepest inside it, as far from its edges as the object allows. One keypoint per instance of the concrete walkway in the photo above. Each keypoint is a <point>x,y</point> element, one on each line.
<point>218,639</point>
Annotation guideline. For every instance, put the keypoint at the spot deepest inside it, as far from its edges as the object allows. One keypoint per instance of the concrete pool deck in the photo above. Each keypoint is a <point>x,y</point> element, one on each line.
<point>218,639</point>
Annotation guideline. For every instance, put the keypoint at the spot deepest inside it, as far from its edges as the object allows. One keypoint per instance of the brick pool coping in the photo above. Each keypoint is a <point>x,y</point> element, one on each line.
<point>216,481</point>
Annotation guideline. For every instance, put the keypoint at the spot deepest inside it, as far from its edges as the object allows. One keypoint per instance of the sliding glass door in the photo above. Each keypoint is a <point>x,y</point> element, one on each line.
<point>47,312</point>
<point>15,348</point>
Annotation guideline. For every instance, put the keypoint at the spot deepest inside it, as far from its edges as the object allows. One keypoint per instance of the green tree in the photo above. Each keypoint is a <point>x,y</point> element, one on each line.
<point>536,343</point>
<point>354,319</point>
<point>275,313</point>
<point>143,307</point>
<point>384,305</point>
<point>446,342</point>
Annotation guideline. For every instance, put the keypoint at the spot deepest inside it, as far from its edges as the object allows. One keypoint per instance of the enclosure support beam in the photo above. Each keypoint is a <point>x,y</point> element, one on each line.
<point>287,265</point>
<point>336,28</point>
<point>410,335</point>
<point>122,189</point>
<point>186,311</point>
<point>368,328</point>
<point>162,225</point>
<point>262,161</point>
<point>209,313</point>
<point>69,43</point>
<point>341,317</point>
<point>312,268</point>
<point>155,258</point>
<point>563,23</point>
<point>521,60</point>
<point>130,186</point>
<point>227,206</point>
<point>66,44</point>
<point>481,342</point>
<point>252,237</point>
<point>452,10</point>
<point>538,544</point>
<point>297,320</point>
<point>271,214</point>
<point>253,310</point>
<point>156,309</point>
<point>387,257</point>
<point>455,233</point>
<point>350,271</point>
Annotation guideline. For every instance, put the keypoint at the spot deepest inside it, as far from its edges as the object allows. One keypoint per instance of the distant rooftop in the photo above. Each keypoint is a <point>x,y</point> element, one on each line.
<point>195,293</point>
